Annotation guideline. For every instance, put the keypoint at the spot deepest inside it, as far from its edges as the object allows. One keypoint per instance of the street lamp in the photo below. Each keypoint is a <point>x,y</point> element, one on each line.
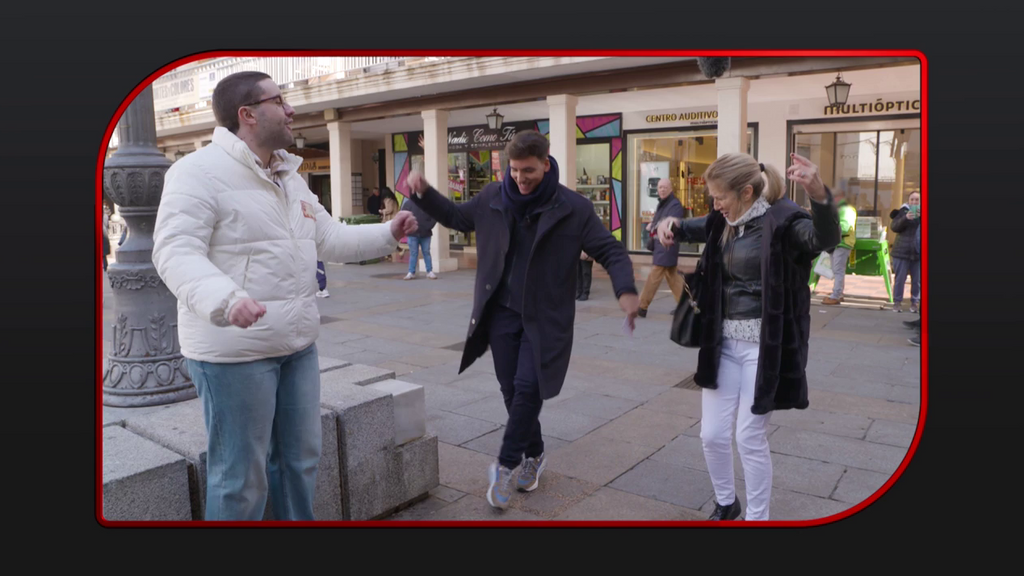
<point>838,91</point>
<point>494,120</point>
<point>179,155</point>
<point>300,142</point>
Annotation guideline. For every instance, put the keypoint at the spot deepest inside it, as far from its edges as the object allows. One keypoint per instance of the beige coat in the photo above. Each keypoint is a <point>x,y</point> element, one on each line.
<point>388,210</point>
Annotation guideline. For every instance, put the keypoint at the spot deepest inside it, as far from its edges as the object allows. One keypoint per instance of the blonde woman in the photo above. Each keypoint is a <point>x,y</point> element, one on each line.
<point>388,209</point>
<point>754,333</point>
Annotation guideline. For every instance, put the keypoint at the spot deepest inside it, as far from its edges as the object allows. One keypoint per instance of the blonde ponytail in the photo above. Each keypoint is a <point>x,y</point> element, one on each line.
<point>776,185</point>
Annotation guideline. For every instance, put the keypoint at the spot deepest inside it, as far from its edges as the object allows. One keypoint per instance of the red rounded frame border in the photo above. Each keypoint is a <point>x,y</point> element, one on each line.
<point>522,523</point>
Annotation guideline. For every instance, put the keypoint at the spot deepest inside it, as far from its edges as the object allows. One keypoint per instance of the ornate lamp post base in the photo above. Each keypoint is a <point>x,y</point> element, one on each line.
<point>145,366</point>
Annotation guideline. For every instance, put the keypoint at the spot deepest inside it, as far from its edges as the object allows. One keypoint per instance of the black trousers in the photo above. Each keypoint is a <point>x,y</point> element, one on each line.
<point>520,386</point>
<point>106,252</point>
<point>584,274</point>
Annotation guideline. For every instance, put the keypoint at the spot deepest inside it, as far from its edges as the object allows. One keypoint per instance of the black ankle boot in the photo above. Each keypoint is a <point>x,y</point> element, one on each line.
<point>730,512</point>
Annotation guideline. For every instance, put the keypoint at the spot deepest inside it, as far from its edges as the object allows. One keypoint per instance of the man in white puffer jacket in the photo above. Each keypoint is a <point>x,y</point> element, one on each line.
<point>237,239</point>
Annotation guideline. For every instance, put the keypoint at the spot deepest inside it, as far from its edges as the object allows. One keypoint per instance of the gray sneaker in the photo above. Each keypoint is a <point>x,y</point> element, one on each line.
<point>499,493</point>
<point>529,474</point>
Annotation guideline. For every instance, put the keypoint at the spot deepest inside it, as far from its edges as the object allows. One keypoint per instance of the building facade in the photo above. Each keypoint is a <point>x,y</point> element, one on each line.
<point>616,126</point>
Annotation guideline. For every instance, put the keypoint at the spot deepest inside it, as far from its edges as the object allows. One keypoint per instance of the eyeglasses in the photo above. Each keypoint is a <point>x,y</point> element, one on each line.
<point>278,98</point>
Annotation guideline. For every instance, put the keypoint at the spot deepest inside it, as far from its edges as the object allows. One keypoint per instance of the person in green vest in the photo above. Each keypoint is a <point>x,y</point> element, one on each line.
<point>841,253</point>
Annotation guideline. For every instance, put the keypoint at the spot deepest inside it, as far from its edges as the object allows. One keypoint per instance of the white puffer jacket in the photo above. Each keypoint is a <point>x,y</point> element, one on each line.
<point>225,231</point>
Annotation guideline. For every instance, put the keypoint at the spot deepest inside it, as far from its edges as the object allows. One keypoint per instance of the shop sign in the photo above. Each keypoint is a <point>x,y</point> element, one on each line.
<point>316,165</point>
<point>879,106</point>
<point>183,89</point>
<point>456,184</point>
<point>699,117</point>
<point>466,138</point>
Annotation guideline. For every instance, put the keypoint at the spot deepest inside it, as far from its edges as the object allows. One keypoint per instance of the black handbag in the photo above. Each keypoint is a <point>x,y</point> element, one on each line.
<point>687,318</point>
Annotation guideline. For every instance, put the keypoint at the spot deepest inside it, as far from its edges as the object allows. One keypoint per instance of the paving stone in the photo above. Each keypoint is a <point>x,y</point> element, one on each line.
<point>456,429</point>
<point>904,394</point>
<point>787,505</point>
<point>846,451</point>
<point>879,390</point>
<point>857,485</point>
<point>892,375</point>
<point>333,334</point>
<point>367,357</point>
<point>694,430</point>
<point>472,507</point>
<point>463,470</point>
<point>400,369</point>
<point>432,359</point>
<point>440,374</point>
<point>490,409</point>
<point>116,416</point>
<point>554,495</point>
<point>422,510</point>
<point>892,433</point>
<point>867,407</point>
<point>479,382</point>
<point>447,494</point>
<point>490,443</point>
<point>805,476</point>
<point>616,388</point>
<point>566,425</point>
<point>597,459</point>
<point>835,423</point>
<point>610,504</point>
<point>646,427</point>
<point>677,401</point>
<point>445,397</point>
<point>598,405</point>
<point>688,451</point>
<point>666,482</point>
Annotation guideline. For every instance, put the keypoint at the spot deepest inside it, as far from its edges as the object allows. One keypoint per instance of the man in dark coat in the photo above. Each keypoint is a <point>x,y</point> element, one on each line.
<point>665,261</point>
<point>373,202</point>
<point>905,258</point>
<point>530,231</point>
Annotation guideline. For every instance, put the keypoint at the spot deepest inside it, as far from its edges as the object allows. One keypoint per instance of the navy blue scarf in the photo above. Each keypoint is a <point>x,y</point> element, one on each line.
<point>519,204</point>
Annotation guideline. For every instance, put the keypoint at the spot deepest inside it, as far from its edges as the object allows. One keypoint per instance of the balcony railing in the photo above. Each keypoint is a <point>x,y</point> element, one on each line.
<point>191,86</point>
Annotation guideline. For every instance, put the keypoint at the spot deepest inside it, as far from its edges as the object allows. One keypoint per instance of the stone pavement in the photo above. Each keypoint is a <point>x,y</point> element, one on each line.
<point>622,439</point>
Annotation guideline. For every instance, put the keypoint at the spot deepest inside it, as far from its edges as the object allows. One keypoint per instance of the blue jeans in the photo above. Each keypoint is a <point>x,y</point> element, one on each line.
<point>904,267</point>
<point>321,275</point>
<point>415,243</point>
<point>263,424</point>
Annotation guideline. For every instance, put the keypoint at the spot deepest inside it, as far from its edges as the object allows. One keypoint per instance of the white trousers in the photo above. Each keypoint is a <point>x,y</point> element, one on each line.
<point>730,403</point>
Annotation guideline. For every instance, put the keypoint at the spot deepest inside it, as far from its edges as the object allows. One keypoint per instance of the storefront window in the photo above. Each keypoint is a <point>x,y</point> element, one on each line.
<point>680,156</point>
<point>593,178</point>
<point>320,184</point>
<point>875,170</point>
<point>899,171</point>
